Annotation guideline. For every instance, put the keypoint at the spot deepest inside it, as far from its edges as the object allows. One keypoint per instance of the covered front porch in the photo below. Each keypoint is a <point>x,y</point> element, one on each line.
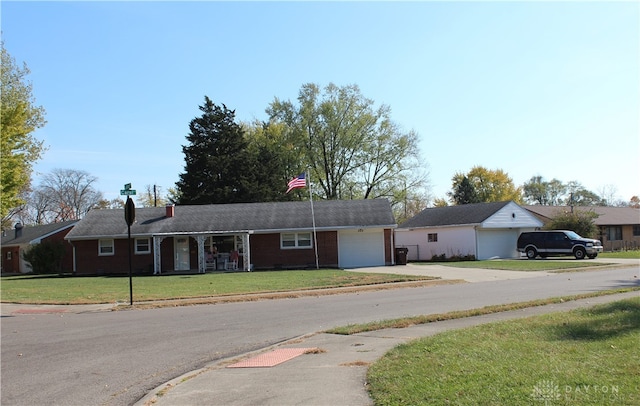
<point>213,251</point>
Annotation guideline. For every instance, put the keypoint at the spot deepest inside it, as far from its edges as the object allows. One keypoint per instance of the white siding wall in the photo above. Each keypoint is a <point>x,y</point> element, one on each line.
<point>512,216</point>
<point>451,241</point>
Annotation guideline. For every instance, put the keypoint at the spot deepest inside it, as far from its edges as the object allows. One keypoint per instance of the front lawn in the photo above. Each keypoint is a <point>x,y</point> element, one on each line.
<point>584,357</point>
<point>43,289</point>
<point>631,254</point>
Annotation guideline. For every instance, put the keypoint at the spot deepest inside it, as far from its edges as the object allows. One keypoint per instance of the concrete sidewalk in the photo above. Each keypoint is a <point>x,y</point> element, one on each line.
<point>333,373</point>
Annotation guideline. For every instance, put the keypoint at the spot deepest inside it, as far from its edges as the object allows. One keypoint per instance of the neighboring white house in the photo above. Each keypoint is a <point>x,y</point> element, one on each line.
<point>483,230</point>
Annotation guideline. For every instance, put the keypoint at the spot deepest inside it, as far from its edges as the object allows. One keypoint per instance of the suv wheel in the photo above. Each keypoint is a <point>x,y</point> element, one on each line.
<point>531,253</point>
<point>580,253</point>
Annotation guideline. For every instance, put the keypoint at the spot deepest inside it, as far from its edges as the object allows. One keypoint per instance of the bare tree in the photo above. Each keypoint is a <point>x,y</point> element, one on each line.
<point>71,194</point>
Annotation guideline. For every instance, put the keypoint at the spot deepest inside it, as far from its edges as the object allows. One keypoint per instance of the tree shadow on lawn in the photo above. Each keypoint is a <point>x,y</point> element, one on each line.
<point>603,322</point>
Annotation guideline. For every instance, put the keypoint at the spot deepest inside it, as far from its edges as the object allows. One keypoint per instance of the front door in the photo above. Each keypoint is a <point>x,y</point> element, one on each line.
<point>182,254</point>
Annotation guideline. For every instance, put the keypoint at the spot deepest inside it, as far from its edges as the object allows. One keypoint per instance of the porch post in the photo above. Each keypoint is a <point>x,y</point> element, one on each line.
<point>246,263</point>
<point>202,265</point>
<point>157,255</point>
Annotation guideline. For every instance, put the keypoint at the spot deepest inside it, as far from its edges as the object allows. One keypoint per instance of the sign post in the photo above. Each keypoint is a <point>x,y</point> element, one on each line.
<point>130,218</point>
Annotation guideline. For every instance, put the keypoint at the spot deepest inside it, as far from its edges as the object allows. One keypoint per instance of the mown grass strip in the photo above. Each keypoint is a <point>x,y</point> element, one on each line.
<point>431,318</point>
<point>528,265</point>
<point>582,357</point>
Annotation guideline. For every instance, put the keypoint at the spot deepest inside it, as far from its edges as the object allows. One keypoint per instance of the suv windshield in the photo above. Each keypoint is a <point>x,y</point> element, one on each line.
<point>573,235</point>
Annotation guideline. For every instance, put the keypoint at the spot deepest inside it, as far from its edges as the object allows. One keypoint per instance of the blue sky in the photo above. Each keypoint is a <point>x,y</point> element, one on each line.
<point>532,88</point>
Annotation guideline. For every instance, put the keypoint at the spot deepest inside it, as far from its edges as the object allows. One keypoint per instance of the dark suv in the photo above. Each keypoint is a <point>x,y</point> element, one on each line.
<point>557,242</point>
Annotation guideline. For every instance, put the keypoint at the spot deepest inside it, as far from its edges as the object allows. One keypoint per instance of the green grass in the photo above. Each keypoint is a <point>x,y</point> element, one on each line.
<point>583,357</point>
<point>631,254</point>
<point>526,265</point>
<point>84,290</point>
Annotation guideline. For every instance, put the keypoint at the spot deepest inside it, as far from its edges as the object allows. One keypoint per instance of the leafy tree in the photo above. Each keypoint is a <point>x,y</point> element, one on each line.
<point>413,201</point>
<point>539,191</point>
<point>556,193</point>
<point>45,257</point>
<point>489,185</point>
<point>535,191</point>
<point>70,194</point>
<point>440,202</point>
<point>579,196</point>
<point>556,190</point>
<point>580,221</point>
<point>151,197</point>
<point>110,204</point>
<point>464,193</point>
<point>216,160</point>
<point>352,148</point>
<point>275,159</point>
<point>19,149</point>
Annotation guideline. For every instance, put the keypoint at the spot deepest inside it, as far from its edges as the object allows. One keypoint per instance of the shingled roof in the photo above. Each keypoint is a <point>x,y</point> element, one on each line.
<point>32,233</point>
<point>242,217</point>
<point>454,215</point>
<point>607,215</point>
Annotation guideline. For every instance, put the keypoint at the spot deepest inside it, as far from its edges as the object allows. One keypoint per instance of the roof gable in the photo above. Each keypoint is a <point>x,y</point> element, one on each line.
<point>466,214</point>
<point>241,217</point>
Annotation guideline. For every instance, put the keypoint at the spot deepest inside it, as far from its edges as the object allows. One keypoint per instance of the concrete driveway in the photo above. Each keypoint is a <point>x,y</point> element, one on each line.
<point>450,272</point>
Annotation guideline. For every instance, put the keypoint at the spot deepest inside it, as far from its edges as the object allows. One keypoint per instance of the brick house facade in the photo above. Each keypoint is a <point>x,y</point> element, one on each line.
<point>203,238</point>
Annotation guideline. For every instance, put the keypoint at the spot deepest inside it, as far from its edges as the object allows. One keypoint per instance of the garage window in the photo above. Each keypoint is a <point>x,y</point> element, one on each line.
<point>295,240</point>
<point>432,237</point>
<point>105,247</point>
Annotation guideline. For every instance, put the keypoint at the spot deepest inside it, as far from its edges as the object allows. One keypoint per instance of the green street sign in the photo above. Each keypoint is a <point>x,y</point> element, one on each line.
<point>127,186</point>
<point>127,192</point>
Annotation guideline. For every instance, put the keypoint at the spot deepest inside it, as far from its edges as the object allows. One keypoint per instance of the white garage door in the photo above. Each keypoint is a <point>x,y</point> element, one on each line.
<point>359,249</point>
<point>497,243</point>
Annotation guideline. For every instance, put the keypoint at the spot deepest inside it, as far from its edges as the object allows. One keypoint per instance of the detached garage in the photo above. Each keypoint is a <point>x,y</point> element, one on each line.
<point>482,230</point>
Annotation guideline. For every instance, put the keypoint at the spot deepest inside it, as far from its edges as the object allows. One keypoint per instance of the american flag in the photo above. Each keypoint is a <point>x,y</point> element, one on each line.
<point>297,182</point>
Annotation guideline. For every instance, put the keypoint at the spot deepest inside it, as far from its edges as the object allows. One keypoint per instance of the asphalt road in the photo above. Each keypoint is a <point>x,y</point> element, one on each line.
<point>115,358</point>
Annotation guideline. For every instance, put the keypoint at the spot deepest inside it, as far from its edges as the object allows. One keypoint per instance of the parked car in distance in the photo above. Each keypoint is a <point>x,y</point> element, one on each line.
<point>557,243</point>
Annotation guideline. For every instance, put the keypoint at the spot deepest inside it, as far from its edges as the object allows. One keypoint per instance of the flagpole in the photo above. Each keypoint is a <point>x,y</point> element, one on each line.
<point>313,219</point>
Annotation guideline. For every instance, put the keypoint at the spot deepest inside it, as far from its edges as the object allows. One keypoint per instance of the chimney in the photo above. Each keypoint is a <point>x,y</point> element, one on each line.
<point>171,210</point>
<point>18,230</point>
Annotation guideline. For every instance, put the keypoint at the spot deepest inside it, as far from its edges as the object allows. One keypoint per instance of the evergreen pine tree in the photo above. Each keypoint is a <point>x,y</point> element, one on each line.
<point>215,159</point>
<point>465,193</point>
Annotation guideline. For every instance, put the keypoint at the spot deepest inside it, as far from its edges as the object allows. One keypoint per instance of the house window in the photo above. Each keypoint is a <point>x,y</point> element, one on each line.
<point>636,231</point>
<point>143,246</point>
<point>432,237</point>
<point>614,233</point>
<point>105,247</point>
<point>295,240</point>
<point>9,255</point>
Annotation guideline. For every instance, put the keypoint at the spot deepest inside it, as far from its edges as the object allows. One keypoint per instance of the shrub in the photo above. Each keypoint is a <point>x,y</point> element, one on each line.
<point>45,257</point>
<point>579,221</point>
